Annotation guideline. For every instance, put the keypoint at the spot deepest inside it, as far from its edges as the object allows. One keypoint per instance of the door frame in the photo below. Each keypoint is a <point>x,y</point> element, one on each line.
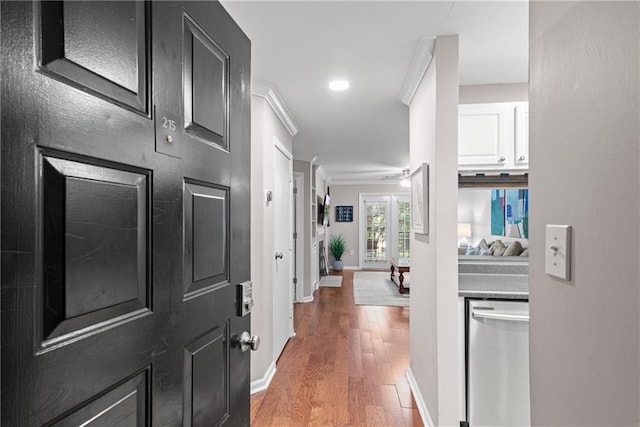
<point>299,246</point>
<point>279,146</point>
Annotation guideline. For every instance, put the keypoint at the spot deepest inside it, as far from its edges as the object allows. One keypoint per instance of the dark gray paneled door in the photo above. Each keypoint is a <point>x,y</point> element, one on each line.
<point>124,214</point>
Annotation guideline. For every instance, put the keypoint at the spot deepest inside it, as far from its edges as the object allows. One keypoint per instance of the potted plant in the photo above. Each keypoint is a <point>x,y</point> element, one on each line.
<point>337,247</point>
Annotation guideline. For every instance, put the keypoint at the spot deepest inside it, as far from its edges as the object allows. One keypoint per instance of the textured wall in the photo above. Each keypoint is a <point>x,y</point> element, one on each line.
<point>433,128</point>
<point>584,136</point>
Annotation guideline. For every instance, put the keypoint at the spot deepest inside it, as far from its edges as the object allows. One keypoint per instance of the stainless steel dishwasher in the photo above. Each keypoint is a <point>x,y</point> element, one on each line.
<point>498,364</point>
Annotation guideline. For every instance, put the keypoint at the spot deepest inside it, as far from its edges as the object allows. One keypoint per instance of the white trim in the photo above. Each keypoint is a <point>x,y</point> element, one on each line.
<point>417,396</point>
<point>263,383</point>
<point>419,63</point>
<point>351,267</point>
<point>305,158</point>
<point>307,299</point>
<point>273,98</point>
<point>367,182</point>
<point>300,252</point>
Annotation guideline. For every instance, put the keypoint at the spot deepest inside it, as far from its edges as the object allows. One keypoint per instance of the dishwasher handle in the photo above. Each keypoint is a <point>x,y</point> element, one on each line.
<point>490,314</point>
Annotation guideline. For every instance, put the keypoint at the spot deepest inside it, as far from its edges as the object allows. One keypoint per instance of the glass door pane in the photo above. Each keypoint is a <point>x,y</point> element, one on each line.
<point>376,212</point>
<point>404,228</point>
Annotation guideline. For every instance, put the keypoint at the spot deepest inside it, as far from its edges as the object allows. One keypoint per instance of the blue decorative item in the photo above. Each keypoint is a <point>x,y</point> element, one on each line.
<point>497,212</point>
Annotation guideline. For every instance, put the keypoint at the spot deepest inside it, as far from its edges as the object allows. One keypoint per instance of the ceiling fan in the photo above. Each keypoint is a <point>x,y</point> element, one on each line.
<point>404,175</point>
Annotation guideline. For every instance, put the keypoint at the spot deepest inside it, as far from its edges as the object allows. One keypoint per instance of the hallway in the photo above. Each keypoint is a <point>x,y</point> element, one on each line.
<point>346,366</point>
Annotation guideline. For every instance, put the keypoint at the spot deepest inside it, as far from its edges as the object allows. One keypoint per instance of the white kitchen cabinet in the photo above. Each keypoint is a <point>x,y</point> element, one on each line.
<point>493,136</point>
<point>522,135</point>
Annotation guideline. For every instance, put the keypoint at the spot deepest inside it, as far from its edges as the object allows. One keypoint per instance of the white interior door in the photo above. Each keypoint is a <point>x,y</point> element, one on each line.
<point>283,247</point>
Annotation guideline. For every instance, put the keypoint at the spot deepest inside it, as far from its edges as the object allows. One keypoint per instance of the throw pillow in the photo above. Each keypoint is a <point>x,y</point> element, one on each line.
<point>471,250</point>
<point>498,248</point>
<point>483,244</point>
<point>484,251</point>
<point>514,249</point>
<point>525,252</point>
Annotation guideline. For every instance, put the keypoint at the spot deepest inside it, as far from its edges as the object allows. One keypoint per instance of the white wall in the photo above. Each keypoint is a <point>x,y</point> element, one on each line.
<point>474,207</point>
<point>508,92</point>
<point>265,125</point>
<point>585,163</point>
<point>433,130</point>
<point>349,195</point>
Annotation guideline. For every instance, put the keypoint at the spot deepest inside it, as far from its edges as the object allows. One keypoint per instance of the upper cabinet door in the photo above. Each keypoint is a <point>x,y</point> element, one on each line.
<point>521,158</point>
<point>485,135</point>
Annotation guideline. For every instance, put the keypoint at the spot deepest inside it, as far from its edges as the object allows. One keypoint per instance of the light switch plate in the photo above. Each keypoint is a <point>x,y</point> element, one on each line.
<point>558,251</point>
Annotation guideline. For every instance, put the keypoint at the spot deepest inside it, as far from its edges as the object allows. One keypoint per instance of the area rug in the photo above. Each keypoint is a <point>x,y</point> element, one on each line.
<point>331,281</point>
<point>376,288</point>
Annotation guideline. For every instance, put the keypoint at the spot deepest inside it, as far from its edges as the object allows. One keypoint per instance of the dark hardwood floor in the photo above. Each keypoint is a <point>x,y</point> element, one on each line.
<point>346,366</point>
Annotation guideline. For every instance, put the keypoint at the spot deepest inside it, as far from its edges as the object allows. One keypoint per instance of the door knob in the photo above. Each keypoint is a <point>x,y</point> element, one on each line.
<point>247,341</point>
<point>279,255</point>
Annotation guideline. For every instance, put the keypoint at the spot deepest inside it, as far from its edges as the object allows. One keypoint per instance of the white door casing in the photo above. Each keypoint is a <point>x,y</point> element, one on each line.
<point>283,247</point>
<point>299,247</point>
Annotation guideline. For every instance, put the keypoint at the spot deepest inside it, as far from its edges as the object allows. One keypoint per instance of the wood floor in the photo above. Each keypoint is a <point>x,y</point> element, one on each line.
<point>346,366</point>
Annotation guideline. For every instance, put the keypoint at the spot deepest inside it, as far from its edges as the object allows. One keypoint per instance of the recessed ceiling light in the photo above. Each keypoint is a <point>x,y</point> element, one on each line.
<point>339,85</point>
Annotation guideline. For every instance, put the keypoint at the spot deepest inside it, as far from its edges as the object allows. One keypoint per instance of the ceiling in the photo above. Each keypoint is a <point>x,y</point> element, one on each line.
<point>362,134</point>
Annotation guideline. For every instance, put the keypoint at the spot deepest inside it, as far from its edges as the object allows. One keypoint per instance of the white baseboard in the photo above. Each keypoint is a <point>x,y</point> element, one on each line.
<point>263,383</point>
<point>351,267</point>
<point>417,396</point>
<point>307,299</point>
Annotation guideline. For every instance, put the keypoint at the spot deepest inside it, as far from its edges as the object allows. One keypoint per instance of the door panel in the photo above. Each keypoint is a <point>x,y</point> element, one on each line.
<point>95,255</point>
<point>206,379</point>
<point>126,404</point>
<point>206,222</point>
<point>206,82</point>
<point>102,48</point>
<point>119,263</point>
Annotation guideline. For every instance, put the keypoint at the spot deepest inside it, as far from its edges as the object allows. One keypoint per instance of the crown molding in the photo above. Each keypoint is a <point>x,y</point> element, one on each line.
<point>304,158</point>
<point>366,182</point>
<point>419,64</point>
<point>270,93</point>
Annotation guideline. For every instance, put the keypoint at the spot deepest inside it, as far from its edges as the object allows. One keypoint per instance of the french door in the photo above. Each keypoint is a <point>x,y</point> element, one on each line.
<point>384,229</point>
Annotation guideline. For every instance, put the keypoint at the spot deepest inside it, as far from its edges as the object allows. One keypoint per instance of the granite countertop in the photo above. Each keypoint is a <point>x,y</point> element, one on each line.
<point>505,286</point>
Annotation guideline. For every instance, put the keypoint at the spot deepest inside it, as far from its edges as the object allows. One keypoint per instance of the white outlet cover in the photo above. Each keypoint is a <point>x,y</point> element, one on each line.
<point>558,251</point>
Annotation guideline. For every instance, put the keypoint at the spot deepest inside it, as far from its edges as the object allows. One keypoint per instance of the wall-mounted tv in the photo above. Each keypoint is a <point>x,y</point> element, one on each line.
<point>320,207</point>
<point>327,209</point>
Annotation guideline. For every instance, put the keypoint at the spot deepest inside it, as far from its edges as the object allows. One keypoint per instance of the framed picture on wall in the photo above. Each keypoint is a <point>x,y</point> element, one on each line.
<point>420,199</point>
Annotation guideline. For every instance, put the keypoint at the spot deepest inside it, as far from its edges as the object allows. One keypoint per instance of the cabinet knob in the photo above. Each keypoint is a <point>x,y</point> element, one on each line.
<point>502,159</point>
<point>521,158</point>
